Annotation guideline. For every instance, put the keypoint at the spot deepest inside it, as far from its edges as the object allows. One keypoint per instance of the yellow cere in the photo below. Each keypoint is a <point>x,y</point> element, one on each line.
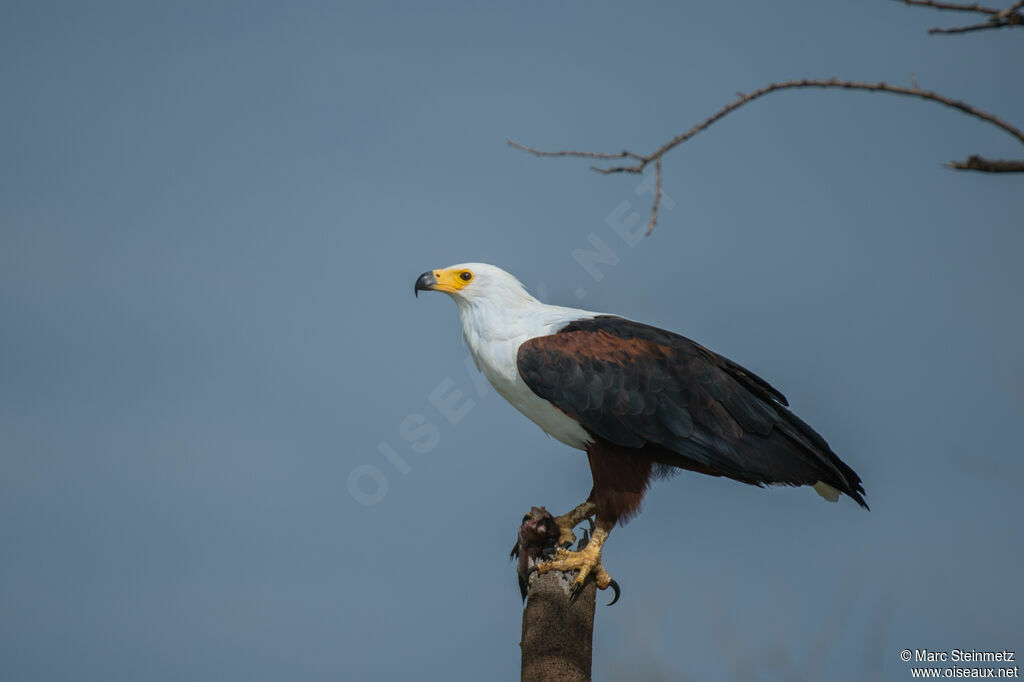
<point>451,281</point>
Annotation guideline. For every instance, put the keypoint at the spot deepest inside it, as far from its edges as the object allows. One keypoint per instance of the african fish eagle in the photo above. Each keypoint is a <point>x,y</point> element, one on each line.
<point>640,401</point>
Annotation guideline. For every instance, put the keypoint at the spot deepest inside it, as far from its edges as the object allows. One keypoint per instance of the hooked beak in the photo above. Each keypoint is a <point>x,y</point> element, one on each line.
<point>425,282</point>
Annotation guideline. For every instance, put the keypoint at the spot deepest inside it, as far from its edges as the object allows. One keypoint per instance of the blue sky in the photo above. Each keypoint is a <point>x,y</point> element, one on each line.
<point>211,218</point>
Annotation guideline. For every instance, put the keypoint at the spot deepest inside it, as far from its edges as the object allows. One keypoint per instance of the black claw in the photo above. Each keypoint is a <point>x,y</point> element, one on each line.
<point>615,586</point>
<point>577,590</point>
<point>584,541</point>
<point>566,545</point>
<point>548,552</point>
<point>592,526</point>
<point>530,571</point>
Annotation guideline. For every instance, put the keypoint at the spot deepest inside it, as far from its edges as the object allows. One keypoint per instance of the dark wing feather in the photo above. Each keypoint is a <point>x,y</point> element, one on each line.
<point>645,388</point>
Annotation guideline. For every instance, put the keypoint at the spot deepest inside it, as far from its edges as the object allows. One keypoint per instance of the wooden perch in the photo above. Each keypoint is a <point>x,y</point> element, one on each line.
<point>557,641</point>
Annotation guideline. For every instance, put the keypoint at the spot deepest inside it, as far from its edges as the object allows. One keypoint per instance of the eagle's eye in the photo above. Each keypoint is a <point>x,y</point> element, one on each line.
<point>466,275</point>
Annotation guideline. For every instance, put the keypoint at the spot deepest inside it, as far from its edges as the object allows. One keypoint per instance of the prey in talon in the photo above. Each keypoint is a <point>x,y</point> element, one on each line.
<point>547,540</point>
<point>537,534</point>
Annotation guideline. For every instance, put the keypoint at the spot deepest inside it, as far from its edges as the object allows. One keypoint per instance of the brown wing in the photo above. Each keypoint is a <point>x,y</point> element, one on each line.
<point>638,386</point>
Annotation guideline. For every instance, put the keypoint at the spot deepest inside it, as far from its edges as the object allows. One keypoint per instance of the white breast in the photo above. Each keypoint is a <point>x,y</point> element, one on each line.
<point>494,338</point>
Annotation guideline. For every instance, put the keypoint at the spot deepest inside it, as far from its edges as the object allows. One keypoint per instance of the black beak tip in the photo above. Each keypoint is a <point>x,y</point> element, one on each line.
<point>424,282</point>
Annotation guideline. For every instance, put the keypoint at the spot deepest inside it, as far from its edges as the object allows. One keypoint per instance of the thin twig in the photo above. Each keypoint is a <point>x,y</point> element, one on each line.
<point>1012,9</point>
<point>997,18</point>
<point>967,29</point>
<point>657,197</point>
<point>954,6</point>
<point>584,155</point>
<point>976,163</point>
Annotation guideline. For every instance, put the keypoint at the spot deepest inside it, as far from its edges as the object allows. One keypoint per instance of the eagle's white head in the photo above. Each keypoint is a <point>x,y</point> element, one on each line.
<point>498,315</point>
<point>475,285</point>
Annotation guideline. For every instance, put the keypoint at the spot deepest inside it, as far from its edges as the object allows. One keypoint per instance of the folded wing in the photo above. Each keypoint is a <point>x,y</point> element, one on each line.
<point>644,388</point>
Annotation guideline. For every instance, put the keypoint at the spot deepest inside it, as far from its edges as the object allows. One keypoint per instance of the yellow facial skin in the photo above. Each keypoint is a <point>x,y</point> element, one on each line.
<point>452,281</point>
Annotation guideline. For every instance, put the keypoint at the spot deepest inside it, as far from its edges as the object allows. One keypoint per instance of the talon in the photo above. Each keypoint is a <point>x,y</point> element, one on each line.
<point>586,561</point>
<point>615,587</point>
<point>577,590</point>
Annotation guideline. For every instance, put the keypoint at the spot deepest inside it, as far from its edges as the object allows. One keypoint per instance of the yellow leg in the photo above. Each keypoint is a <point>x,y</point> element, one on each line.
<point>567,522</point>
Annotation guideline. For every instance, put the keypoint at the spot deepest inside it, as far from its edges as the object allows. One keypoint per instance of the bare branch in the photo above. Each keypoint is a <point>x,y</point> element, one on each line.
<point>585,155</point>
<point>848,85</point>
<point>967,29</point>
<point>1012,9</point>
<point>657,197</point>
<point>642,161</point>
<point>1014,20</point>
<point>954,6</point>
<point>997,18</point>
<point>977,163</point>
